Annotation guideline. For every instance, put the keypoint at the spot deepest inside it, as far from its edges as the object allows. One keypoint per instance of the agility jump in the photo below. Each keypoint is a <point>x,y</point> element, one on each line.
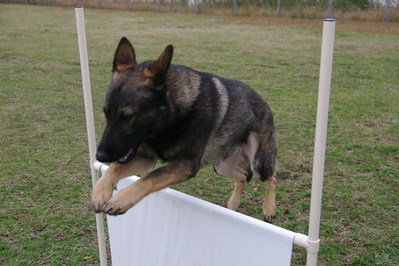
<point>204,233</point>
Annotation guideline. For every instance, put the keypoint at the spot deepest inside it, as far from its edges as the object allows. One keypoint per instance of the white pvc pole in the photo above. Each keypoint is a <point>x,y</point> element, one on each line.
<point>327,49</point>
<point>84,64</point>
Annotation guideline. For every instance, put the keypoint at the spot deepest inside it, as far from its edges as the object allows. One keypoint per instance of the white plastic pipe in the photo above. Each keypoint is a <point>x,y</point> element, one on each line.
<point>84,64</point>
<point>301,240</point>
<point>327,49</point>
<point>100,167</point>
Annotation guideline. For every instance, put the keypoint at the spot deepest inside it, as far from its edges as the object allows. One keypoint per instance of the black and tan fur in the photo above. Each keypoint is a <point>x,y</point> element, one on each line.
<point>158,110</point>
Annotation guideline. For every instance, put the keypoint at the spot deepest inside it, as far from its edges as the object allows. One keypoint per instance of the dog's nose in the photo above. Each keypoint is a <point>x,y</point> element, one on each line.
<point>103,157</point>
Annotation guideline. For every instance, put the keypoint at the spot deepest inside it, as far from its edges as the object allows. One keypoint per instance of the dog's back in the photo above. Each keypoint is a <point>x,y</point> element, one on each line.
<point>229,107</point>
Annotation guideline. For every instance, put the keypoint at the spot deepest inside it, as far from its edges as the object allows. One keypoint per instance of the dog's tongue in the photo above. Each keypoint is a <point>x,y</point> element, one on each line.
<point>124,158</point>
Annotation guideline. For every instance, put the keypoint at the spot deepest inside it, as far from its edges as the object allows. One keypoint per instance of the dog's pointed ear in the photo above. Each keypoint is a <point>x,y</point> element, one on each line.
<point>125,57</point>
<point>160,66</point>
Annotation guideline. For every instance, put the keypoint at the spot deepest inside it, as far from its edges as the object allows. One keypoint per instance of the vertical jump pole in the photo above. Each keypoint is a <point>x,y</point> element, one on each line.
<point>84,64</point>
<point>327,48</point>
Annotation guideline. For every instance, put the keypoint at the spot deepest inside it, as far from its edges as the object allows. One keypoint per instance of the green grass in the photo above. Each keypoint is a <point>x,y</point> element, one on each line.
<point>45,183</point>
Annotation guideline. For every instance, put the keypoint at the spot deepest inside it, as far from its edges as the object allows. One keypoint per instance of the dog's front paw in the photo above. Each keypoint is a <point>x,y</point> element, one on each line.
<point>120,203</point>
<point>102,192</point>
<point>114,208</point>
<point>125,199</point>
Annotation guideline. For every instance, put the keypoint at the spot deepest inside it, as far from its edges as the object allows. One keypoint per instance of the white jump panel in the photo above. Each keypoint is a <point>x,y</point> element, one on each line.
<point>171,228</point>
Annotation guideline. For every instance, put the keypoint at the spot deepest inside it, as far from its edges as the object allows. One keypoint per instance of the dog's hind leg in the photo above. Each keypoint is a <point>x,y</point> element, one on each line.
<point>239,186</point>
<point>262,156</point>
<point>233,167</point>
<point>264,167</point>
<point>269,204</point>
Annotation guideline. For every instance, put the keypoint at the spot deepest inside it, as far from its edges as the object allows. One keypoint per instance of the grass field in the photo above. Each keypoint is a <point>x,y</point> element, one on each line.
<point>45,214</point>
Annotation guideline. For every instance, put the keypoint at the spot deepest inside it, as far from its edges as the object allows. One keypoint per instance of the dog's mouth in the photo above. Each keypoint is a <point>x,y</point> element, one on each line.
<point>127,157</point>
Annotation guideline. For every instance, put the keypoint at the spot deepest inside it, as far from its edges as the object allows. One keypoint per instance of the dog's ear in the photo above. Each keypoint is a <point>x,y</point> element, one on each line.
<point>158,69</point>
<point>125,57</point>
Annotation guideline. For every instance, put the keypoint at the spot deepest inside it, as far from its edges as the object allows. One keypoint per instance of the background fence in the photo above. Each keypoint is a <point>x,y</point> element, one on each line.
<point>361,10</point>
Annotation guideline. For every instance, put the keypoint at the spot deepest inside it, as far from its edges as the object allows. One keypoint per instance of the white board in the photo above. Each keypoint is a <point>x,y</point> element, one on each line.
<point>171,228</point>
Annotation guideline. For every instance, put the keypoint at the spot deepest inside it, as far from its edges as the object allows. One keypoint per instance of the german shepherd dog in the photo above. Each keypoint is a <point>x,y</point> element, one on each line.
<point>158,110</point>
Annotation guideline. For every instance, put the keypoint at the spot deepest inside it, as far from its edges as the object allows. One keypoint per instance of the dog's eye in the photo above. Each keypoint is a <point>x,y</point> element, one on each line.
<point>127,117</point>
